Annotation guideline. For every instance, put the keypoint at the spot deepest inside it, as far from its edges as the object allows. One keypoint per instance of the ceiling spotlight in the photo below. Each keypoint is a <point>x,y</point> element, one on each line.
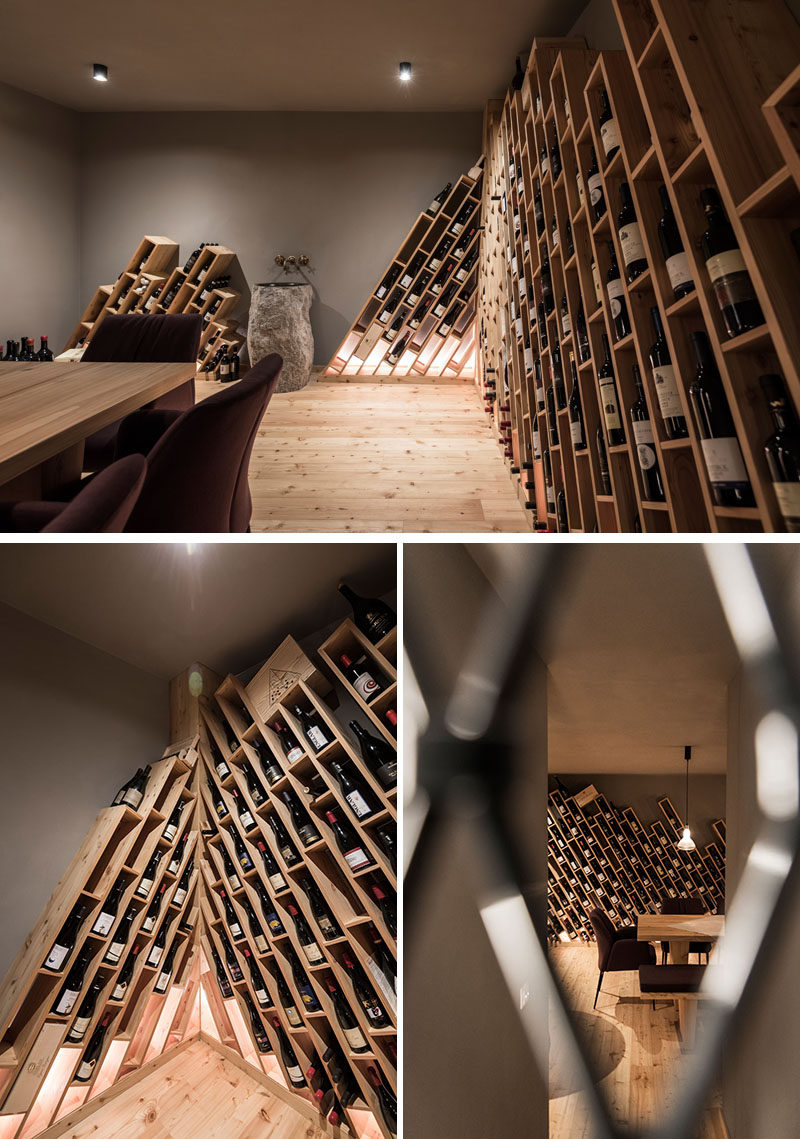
<point>405,72</point>
<point>100,72</point>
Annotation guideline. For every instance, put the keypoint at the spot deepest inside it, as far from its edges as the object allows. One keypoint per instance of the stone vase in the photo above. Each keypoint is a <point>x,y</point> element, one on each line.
<point>280,322</point>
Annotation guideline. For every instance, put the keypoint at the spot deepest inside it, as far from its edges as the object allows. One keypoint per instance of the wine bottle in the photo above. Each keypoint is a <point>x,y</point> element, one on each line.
<point>303,825</point>
<point>177,857</point>
<point>44,355</point>
<point>378,755</point>
<point>386,907</point>
<point>317,734</point>
<point>171,829</point>
<point>328,925</point>
<point>387,282</point>
<point>609,400</point>
<point>220,763</point>
<point>159,943</point>
<point>376,1014</point>
<point>538,209</point>
<point>147,879</point>
<point>259,1032</point>
<point>308,942</point>
<point>65,942</point>
<point>616,296</point>
<point>243,811</point>
<point>291,748</point>
<point>554,235</point>
<point>85,1012</point>
<point>726,269</point>
<point>414,266</point>
<point>288,1003</point>
<point>544,159</point>
<point>293,1069</point>
<point>548,300</point>
<point>257,792</point>
<point>288,850</point>
<point>149,923</point>
<point>274,876</point>
<point>381,963</point>
<point>256,930</point>
<point>727,474</point>
<point>782,451</point>
<point>220,806</point>
<point>598,288</point>
<point>274,923</point>
<point>550,403</point>
<point>124,976</point>
<point>133,792</point>
<point>232,959</point>
<point>355,853</point>
<point>387,837</point>
<point>555,160</point>
<point>347,1020</point>
<point>557,377</point>
<point>439,201</point>
<point>630,235</point>
<point>231,873</point>
<point>677,263</point>
<point>566,319</point>
<point>386,1101</point>
<point>93,1050</point>
<point>371,616</point>
<point>71,989</point>
<point>645,443</point>
<point>415,293</point>
<point>538,383</point>
<point>259,984</point>
<point>576,427</point>
<point>242,854</point>
<point>360,678</point>
<point>230,916</point>
<point>269,764</point>
<point>393,329</point>
<point>166,969</point>
<point>666,383</point>
<point>109,909</point>
<point>440,252</point>
<point>222,976</point>
<point>397,349</point>
<point>355,793</point>
<point>594,180</point>
<point>549,489</point>
<point>609,133</point>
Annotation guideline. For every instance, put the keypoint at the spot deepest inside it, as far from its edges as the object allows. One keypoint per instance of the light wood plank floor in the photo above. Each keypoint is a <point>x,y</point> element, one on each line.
<point>636,1050</point>
<point>384,458</point>
<point>196,1094</point>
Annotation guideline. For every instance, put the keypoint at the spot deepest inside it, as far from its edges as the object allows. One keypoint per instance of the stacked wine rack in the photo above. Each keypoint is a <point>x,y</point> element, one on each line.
<point>211,989</point>
<point>700,99</point>
<point>381,345</point>
<point>602,857</point>
<point>151,274</point>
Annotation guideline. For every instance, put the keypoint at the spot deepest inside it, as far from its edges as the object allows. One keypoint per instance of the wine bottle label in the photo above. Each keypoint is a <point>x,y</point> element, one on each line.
<point>545,164</point>
<point>173,866</point>
<point>643,435</point>
<point>630,238</point>
<point>726,264</point>
<point>180,894</point>
<point>514,265</point>
<point>155,955</point>
<point>579,181</point>
<point>235,881</point>
<point>103,924</point>
<point>566,324</point>
<point>381,292</point>
<point>598,288</point>
<point>357,858</point>
<point>406,280</point>
<point>119,990</point>
<point>551,498</point>
<point>317,737</point>
<point>609,135</point>
<point>143,889</point>
<point>85,1069</point>
<point>223,771</point>
<point>236,972</point>
<point>236,930</point>
<point>390,333</point>
<point>724,462</point>
<point>576,431</point>
<point>669,400</point>
<point>434,207</point>
<point>116,947</point>
<point>366,687</point>
<point>729,278</point>
<point>434,262</point>
<point>295,1075</point>
<point>375,1013</point>
<point>248,822</point>
<point>162,982</point>
<point>262,1042</point>
<point>274,924</point>
<point>355,1038</point>
<point>787,495</point>
<point>79,1027</point>
<point>528,359</point>
<point>277,881</point>
<point>555,237</point>
<point>170,831</point>
<point>133,797</point>
<point>456,227</point>
<point>383,983</point>
<point>313,953</point>
<point>361,807</point>
<point>67,1001</point>
<point>293,1016</point>
<point>262,996</point>
<point>537,445</point>
<point>261,943</point>
<point>595,188</point>
<point>615,292</point>
<point>56,957</point>
<point>678,270</point>
<point>387,773</point>
<point>608,393</point>
<point>295,754</point>
<point>245,861</point>
<point>327,926</point>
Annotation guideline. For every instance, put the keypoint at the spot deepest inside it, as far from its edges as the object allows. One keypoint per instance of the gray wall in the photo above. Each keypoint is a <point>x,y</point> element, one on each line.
<point>343,188</point>
<point>39,184</point>
<point>76,723</point>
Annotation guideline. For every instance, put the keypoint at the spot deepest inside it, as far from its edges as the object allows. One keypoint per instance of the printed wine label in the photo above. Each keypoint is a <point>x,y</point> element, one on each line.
<point>155,955</point>
<point>726,264</point>
<point>356,858</point>
<point>235,881</point>
<point>566,324</point>
<point>678,270</point>
<point>615,292</point>
<point>67,1002</point>
<point>595,188</point>
<point>223,770</point>
<point>119,991</point>
<point>609,135</point>
<point>248,822</point>
<point>180,895</point>
<point>598,288</point>
<point>86,1068</point>
<point>293,1016</point>
<point>295,1074</point>
<point>669,400</point>
<point>610,405</point>
<point>643,436</point>
<point>236,930</point>
<point>787,495</point>
<point>261,943</point>
<point>354,1038</point>
<point>161,983</point>
<point>276,881</point>
<point>115,950</point>
<point>576,431</point>
<point>294,754</point>
<point>56,957</point>
<point>132,798</point>
<point>170,832</point>
<point>383,984</point>
<point>724,462</point>
<point>144,887</point>
<point>79,1027</point>
<point>630,238</point>
<point>262,996</point>
<point>359,804</point>
<point>313,953</point>
<point>103,924</point>
<point>545,164</point>
<point>327,926</point>
<point>387,773</point>
<point>317,737</point>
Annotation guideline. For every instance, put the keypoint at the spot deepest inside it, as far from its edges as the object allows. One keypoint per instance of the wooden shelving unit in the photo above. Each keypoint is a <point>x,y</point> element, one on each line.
<point>602,856</point>
<point>152,274</point>
<point>699,101</point>
<point>442,344</point>
<point>221,773</point>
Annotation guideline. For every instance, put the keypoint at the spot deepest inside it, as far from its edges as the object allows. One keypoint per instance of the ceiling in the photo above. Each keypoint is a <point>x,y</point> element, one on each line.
<point>160,607</point>
<point>303,55</point>
<point>639,659</point>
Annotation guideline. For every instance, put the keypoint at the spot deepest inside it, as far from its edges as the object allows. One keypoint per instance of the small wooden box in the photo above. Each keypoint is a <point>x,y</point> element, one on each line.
<point>280,672</point>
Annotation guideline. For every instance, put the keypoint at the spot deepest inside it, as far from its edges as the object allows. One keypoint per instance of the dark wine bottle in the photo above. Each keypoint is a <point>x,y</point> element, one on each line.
<point>259,984</point>
<point>288,1002</point>
<point>616,296</point>
<point>726,269</point>
<point>557,377</point>
<point>243,811</point>
<point>315,731</point>
<point>177,855</point>
<point>609,400</point>
<point>386,906</point>
<point>439,201</point>
<point>109,909</point>
<point>666,383</point>
<point>727,474</point>
<point>306,937</point>
<point>414,266</point>
<point>65,942</point>
<point>182,889</point>
<point>242,854</point>
<point>630,235</point>
<point>304,827</point>
<point>360,678</point>
<point>274,876</point>
<point>376,1014</point>
<point>379,756</point>
<point>387,282</point>
<point>347,1020</point>
<point>157,947</point>
<point>577,430</point>
<point>549,488</point>
<point>288,850</point>
<point>386,1101</point>
<point>71,989</point>
<point>93,1050</point>
<point>609,133</point>
<point>259,1032</point>
<point>293,1069</point>
<point>148,877</point>
<point>782,451</point>
<point>602,463</point>
<point>230,916</point>
<point>257,792</point>
<point>371,616</point>
<point>274,923</point>
<point>232,960</point>
<point>356,795</point>
<point>124,976</point>
<point>85,1012</point>
<point>220,806</point>
<point>677,263</point>
<point>132,793</point>
<point>328,925</point>
<point>171,829</point>
<point>256,929</point>
<point>166,969</point>
<point>222,977</point>
<point>149,923</point>
<point>594,180</point>
<point>291,748</point>
<point>538,209</point>
<point>355,853</point>
<point>645,443</point>
<point>44,355</point>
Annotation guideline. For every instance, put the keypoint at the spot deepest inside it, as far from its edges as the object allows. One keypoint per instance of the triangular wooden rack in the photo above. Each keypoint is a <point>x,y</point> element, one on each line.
<point>38,1067</point>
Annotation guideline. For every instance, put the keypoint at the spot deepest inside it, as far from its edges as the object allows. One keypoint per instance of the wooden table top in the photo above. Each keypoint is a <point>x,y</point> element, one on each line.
<point>46,408</point>
<point>679,927</point>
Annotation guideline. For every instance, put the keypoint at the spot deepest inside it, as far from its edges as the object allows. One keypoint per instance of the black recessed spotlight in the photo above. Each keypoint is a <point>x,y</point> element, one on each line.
<point>100,72</point>
<point>405,72</point>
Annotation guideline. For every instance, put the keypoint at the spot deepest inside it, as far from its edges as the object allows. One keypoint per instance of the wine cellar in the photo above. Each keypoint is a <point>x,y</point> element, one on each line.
<point>634,372</point>
<point>602,856</point>
<point>242,890</point>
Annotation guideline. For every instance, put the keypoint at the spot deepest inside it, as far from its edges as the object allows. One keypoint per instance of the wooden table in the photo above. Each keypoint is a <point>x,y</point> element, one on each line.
<point>679,930</point>
<point>48,410</point>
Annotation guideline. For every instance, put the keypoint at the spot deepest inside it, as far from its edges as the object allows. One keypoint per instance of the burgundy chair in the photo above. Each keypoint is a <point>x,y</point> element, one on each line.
<point>140,338</point>
<point>618,951</point>
<point>684,906</point>
<point>198,460</point>
<point>102,507</point>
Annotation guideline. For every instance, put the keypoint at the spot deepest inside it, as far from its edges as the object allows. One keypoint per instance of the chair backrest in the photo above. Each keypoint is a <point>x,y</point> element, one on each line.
<point>605,933</point>
<point>104,506</point>
<point>682,905</point>
<point>139,338</point>
<point>197,471</point>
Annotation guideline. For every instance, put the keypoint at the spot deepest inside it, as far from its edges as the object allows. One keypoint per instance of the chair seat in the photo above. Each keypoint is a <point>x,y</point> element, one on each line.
<point>670,978</point>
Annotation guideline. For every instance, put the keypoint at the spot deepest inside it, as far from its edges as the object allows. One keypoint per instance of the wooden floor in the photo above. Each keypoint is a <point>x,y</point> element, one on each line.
<point>196,1093</point>
<point>636,1050</point>
<point>391,458</point>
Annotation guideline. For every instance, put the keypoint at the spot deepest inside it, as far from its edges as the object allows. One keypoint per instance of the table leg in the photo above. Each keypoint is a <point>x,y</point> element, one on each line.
<point>679,952</point>
<point>61,470</point>
<point>687,1021</point>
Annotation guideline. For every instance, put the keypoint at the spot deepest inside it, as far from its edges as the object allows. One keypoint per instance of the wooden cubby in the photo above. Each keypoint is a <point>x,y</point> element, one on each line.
<point>38,1064</point>
<point>429,351</point>
<point>701,99</point>
<point>602,856</point>
<point>153,266</point>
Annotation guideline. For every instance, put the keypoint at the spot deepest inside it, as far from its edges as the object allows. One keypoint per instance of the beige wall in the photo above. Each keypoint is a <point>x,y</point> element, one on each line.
<point>343,188</point>
<point>39,184</point>
<point>598,24</point>
<point>76,723</point>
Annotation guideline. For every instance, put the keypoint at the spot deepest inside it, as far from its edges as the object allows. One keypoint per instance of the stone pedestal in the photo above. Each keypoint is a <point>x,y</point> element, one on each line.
<point>280,322</point>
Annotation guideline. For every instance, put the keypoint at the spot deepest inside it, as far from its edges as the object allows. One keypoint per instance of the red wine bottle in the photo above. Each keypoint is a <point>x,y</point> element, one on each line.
<point>356,795</point>
<point>371,616</point>
<point>386,907</point>
<point>44,355</point>
<point>306,831</point>
<point>308,942</point>
<point>230,916</point>
<point>183,886</point>
<point>328,925</point>
<point>242,854</point>
<point>288,1003</point>
<point>438,201</point>
<point>317,733</point>
<point>177,857</point>
<point>171,829</point>
<point>274,923</point>
<point>65,942</point>
<point>256,1024</point>
<point>291,748</point>
<point>376,1014</point>
<point>304,987</point>
<point>727,473</point>
<point>93,1050</point>
<point>386,1101</point>
<point>269,764</point>
<point>149,923</point>
<point>726,269</point>
<point>257,792</point>
<point>594,180</point>
<point>256,930</point>
<point>677,263</point>
<point>259,984</point>
<point>609,132</point>
<point>355,853</point>
<point>576,427</point>
<point>347,1020</point>
<point>616,296</point>
<point>166,969</point>
<point>379,756</point>
<point>288,850</point>
<point>243,811</point>
<point>609,400</point>
<point>109,909</point>
<point>666,383</point>
<point>85,1012</point>
<point>293,1069</point>
<point>222,977</point>
<point>274,876</point>
<point>782,451</point>
<point>124,976</point>
<point>645,443</point>
<point>71,989</point>
<point>232,960</point>
<point>630,235</point>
